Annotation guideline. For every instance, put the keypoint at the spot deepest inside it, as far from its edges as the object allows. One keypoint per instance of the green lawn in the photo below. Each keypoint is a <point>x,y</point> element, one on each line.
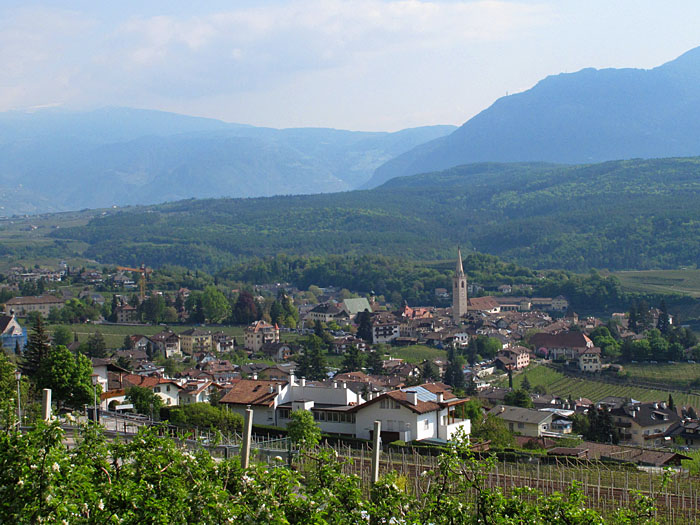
<point>417,353</point>
<point>557,383</point>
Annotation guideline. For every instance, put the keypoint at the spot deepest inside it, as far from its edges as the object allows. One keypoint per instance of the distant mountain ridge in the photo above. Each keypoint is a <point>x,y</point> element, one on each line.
<point>583,117</point>
<point>57,160</point>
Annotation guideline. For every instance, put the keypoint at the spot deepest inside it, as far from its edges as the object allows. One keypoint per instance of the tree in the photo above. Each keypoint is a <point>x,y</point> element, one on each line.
<point>353,360</point>
<point>364,328</point>
<point>96,345</point>
<point>312,362</point>
<point>153,308</point>
<point>68,376</point>
<point>493,429</point>
<point>671,404</point>
<point>128,343</point>
<point>525,385</point>
<point>518,398</point>
<point>245,311</point>
<point>145,401</point>
<point>215,306</point>
<point>38,347</point>
<point>664,322</point>
<point>429,371</point>
<point>62,336</point>
<point>454,375</point>
<point>374,364</point>
<point>303,430</point>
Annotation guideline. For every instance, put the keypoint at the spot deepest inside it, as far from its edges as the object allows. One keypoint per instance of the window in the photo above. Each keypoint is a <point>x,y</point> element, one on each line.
<point>156,389</point>
<point>521,425</point>
<point>426,424</point>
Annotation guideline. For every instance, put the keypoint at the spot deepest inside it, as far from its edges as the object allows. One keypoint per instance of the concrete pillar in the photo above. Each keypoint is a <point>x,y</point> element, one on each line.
<point>46,404</point>
<point>376,438</point>
<point>247,435</point>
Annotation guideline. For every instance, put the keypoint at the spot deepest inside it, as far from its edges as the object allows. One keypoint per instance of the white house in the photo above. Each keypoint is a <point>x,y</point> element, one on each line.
<point>411,414</point>
<point>262,396</point>
<point>330,403</point>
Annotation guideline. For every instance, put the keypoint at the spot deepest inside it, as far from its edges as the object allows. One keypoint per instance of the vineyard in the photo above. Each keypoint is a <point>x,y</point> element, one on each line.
<point>562,385</point>
<point>681,375</point>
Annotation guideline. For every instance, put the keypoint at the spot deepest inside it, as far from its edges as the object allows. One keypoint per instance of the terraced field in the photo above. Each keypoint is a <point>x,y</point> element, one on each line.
<point>557,383</point>
<point>678,374</point>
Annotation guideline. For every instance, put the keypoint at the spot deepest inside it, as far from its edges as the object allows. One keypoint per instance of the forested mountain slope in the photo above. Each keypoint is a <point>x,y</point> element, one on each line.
<point>619,215</point>
<point>588,116</point>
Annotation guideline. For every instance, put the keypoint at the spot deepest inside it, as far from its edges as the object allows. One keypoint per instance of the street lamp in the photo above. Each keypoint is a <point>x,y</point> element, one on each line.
<point>95,379</point>
<point>18,377</point>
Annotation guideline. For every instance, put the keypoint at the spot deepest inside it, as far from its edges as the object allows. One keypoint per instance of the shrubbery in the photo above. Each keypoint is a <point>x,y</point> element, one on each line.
<point>152,480</point>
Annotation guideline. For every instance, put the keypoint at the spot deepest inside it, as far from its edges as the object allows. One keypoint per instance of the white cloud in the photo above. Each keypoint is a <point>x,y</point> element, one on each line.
<point>357,63</point>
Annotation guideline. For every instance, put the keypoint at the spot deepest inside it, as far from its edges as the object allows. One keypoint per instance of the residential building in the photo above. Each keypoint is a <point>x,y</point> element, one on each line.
<point>562,345</point>
<point>517,357</point>
<point>24,305</point>
<point>167,343</point>
<point>262,396</point>
<point>411,414</point>
<point>195,340</point>
<point>589,360</point>
<point>260,333</point>
<point>327,312</point>
<point>385,328</point>
<point>525,421</point>
<point>126,313</point>
<point>643,424</point>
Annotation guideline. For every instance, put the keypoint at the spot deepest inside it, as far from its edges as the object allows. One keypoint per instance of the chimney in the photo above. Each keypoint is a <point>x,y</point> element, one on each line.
<point>335,385</point>
<point>345,385</point>
<point>439,397</point>
<point>271,388</point>
<point>292,379</point>
<point>412,397</point>
<point>255,376</point>
<point>302,381</point>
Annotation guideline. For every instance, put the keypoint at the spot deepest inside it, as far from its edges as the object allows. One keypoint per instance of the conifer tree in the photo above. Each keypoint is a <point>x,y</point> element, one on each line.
<point>38,347</point>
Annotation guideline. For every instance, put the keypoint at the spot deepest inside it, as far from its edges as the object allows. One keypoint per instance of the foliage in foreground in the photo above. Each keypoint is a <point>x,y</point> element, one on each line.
<point>152,480</point>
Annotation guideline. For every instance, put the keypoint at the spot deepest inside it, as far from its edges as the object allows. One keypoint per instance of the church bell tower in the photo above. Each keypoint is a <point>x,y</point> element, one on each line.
<point>459,290</point>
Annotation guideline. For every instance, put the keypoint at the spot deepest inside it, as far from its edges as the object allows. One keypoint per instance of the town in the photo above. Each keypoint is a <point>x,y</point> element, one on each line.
<point>426,372</point>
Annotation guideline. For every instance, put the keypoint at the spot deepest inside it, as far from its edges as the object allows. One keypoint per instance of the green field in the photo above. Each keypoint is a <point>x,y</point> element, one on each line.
<point>661,281</point>
<point>559,384</point>
<point>114,334</point>
<point>416,354</point>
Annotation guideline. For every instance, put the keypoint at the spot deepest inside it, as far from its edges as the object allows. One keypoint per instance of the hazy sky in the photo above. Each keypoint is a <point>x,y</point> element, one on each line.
<point>360,64</point>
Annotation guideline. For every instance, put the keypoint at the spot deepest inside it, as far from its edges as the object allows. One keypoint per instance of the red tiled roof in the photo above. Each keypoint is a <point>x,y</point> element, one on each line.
<point>251,392</point>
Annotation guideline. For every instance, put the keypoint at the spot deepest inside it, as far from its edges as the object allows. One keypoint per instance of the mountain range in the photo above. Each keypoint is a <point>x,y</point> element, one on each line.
<point>583,117</point>
<point>57,160</point>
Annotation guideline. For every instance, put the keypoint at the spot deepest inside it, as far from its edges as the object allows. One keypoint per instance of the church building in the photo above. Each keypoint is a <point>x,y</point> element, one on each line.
<point>459,291</point>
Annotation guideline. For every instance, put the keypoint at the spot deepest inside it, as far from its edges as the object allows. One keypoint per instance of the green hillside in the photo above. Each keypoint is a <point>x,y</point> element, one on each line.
<point>636,214</point>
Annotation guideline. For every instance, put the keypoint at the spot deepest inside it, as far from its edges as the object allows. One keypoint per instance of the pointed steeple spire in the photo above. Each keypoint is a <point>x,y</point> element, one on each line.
<point>460,269</point>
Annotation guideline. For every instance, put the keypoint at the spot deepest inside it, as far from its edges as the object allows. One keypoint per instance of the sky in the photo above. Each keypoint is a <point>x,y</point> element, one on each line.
<point>359,64</point>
